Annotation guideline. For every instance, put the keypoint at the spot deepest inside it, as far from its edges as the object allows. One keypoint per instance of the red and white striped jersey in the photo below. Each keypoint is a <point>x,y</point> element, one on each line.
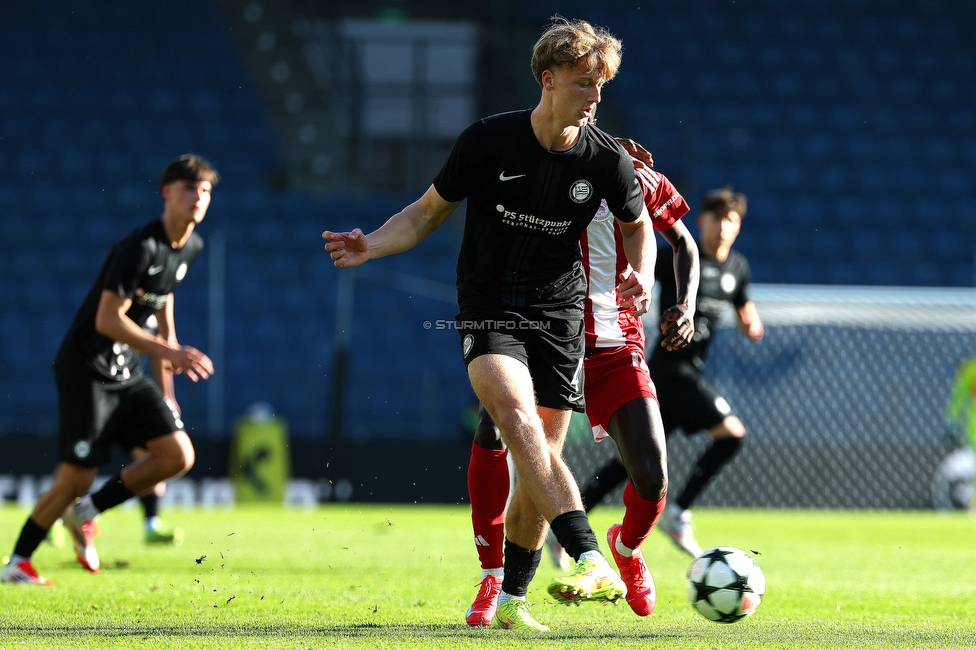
<point>604,260</point>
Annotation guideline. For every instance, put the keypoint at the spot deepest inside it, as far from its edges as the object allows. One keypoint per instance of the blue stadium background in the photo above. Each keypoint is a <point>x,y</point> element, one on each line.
<point>849,123</point>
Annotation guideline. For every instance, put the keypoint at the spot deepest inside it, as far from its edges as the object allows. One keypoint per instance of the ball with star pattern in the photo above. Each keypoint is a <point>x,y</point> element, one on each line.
<point>725,584</point>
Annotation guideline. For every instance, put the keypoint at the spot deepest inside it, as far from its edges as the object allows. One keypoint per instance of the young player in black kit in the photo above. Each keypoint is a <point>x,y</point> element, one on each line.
<point>687,401</point>
<point>533,180</point>
<point>620,399</point>
<point>104,396</point>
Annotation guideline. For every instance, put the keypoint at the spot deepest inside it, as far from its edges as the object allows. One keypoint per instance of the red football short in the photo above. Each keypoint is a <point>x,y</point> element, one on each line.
<point>613,377</point>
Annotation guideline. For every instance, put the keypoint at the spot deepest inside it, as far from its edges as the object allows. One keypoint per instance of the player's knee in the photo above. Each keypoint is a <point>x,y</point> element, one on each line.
<point>653,490</point>
<point>177,457</point>
<point>514,423</point>
<point>486,435</point>
<point>733,428</point>
<point>650,479</point>
<point>730,427</point>
<point>184,459</point>
<point>188,457</point>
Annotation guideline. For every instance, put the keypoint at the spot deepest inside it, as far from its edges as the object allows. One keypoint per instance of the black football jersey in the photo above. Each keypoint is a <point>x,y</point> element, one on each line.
<point>141,266</point>
<point>723,285</point>
<point>527,208</point>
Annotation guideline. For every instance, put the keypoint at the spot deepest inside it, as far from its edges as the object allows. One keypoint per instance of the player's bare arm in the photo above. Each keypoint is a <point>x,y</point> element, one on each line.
<point>642,157</point>
<point>112,321</point>
<point>749,322</point>
<point>638,242</point>
<point>678,321</point>
<point>401,232</point>
<point>161,368</point>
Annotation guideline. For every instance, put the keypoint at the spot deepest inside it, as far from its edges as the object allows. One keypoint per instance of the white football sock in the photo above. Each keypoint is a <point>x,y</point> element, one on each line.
<point>85,509</point>
<point>623,550</point>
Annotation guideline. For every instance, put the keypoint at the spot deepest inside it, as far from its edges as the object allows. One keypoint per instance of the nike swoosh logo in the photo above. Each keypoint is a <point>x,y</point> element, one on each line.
<point>153,270</point>
<point>503,177</point>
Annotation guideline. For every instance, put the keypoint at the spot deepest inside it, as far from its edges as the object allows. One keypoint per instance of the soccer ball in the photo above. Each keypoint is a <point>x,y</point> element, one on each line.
<point>725,584</point>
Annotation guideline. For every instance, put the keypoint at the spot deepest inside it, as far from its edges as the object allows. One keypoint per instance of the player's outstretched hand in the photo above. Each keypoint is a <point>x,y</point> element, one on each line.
<point>636,151</point>
<point>677,328</point>
<point>191,362</point>
<point>755,330</point>
<point>347,249</point>
<point>632,293</point>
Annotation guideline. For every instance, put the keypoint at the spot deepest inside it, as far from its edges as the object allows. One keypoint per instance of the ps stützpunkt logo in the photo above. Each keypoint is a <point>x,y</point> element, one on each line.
<point>581,191</point>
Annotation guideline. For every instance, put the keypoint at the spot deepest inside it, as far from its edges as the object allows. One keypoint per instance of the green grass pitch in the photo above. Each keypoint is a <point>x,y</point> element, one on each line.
<point>402,576</point>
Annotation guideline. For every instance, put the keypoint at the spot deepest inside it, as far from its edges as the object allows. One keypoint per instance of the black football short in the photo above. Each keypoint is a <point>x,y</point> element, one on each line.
<point>94,414</point>
<point>551,348</point>
<point>688,402</point>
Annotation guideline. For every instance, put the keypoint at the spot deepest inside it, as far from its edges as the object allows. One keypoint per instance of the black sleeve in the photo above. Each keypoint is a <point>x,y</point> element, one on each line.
<point>625,198</point>
<point>742,296</point>
<point>129,261</point>
<point>454,179</point>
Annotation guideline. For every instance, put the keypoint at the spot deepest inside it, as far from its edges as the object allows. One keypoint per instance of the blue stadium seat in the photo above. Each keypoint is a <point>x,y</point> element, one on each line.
<point>11,198</point>
<point>102,231</point>
<point>825,245</point>
<point>844,272</point>
<point>866,246</point>
<point>962,275</point>
<point>804,273</point>
<point>137,198</point>
<point>791,176</point>
<point>948,246</point>
<point>76,164</point>
<point>886,272</point>
<point>834,179</point>
<point>954,181</point>
<point>930,213</point>
<point>861,147</point>
<point>45,197</point>
<point>906,246</point>
<point>962,216</point>
<point>782,243</point>
<point>849,211</point>
<point>36,166</point>
<point>925,273</point>
<point>872,180</point>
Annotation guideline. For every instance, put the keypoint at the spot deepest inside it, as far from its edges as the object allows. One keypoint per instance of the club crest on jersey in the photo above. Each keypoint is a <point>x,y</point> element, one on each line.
<point>603,212</point>
<point>727,282</point>
<point>581,191</point>
<point>181,272</point>
<point>82,449</point>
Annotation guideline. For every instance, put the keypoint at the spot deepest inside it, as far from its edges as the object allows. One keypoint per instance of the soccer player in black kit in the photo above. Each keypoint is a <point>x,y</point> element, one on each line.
<point>687,401</point>
<point>104,396</point>
<point>533,180</point>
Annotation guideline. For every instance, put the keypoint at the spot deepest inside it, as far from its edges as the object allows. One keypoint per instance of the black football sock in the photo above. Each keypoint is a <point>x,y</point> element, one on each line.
<point>520,566</point>
<point>603,483</point>
<point>714,458</point>
<point>150,505</point>
<point>31,536</point>
<point>572,530</point>
<point>111,494</point>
